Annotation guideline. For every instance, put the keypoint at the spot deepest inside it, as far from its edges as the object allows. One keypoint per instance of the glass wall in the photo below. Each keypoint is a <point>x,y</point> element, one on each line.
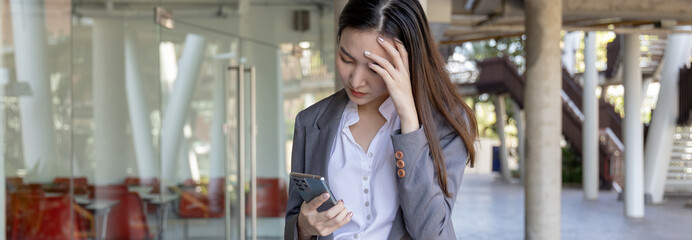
<point>115,127</point>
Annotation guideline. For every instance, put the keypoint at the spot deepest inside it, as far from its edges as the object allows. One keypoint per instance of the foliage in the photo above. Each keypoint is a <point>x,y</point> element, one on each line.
<point>571,166</point>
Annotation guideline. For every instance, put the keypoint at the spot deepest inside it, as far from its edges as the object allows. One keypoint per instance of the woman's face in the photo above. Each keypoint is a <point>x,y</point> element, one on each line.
<point>362,84</point>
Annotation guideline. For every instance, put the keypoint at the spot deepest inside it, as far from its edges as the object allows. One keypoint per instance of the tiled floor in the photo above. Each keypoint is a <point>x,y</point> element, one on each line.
<point>487,208</point>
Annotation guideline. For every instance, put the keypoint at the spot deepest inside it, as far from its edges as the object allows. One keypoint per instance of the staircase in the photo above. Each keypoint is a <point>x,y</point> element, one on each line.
<point>679,180</point>
<point>499,76</point>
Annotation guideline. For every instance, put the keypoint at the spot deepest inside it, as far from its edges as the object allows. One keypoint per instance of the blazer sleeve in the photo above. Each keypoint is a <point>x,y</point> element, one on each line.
<point>297,165</point>
<point>426,210</point>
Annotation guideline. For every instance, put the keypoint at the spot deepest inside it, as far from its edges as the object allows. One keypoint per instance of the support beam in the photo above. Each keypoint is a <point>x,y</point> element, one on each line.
<point>499,102</point>
<point>139,111</point>
<point>179,101</point>
<point>110,106</point>
<point>590,126</point>
<point>633,129</point>
<point>521,137</point>
<point>31,58</point>
<point>543,119</point>
<point>660,138</point>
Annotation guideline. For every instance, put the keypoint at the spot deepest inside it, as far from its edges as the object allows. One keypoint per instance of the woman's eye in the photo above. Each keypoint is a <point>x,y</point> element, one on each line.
<point>348,62</point>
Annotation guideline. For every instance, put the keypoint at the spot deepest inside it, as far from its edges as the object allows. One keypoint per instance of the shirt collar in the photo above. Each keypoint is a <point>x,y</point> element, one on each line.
<point>387,109</point>
<point>351,117</point>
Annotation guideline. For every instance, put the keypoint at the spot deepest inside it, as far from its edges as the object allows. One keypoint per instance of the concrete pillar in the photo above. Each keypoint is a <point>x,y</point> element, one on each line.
<point>139,112</point>
<point>660,138</point>
<point>176,111</point>
<point>499,102</point>
<point>521,137</point>
<point>32,61</point>
<point>110,109</point>
<point>633,129</point>
<point>543,107</point>
<point>590,127</point>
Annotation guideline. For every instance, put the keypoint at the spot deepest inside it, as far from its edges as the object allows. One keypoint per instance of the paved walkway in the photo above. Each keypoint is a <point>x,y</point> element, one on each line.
<point>487,208</point>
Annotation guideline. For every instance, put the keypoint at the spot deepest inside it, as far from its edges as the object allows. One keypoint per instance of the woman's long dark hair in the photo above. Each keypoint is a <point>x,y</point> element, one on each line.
<point>433,91</point>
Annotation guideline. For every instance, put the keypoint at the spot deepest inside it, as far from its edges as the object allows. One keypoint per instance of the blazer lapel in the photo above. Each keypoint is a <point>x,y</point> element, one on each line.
<point>323,134</point>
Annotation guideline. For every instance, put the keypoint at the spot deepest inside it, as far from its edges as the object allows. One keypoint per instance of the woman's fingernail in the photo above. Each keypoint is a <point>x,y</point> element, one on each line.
<point>367,53</point>
<point>380,39</point>
<point>325,196</point>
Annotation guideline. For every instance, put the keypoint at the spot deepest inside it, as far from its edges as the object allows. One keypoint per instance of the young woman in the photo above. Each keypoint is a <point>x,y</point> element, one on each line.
<point>393,144</point>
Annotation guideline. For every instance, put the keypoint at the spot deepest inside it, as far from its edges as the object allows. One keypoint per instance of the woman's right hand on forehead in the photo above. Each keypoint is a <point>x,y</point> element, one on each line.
<point>313,223</point>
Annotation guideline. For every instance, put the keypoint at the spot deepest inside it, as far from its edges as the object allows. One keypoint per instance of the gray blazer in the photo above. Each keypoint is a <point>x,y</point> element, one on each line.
<point>424,212</point>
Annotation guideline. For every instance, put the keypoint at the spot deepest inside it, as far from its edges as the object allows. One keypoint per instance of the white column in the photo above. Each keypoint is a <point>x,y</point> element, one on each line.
<point>543,107</point>
<point>218,137</point>
<point>338,7</point>
<point>660,138</point>
<point>499,102</point>
<point>176,111</point>
<point>31,58</point>
<point>633,129</point>
<point>590,129</point>
<point>139,112</point>
<point>569,51</point>
<point>110,107</point>
<point>521,137</point>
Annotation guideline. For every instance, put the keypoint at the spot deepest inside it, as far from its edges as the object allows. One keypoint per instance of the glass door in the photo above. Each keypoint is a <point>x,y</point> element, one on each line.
<point>199,126</point>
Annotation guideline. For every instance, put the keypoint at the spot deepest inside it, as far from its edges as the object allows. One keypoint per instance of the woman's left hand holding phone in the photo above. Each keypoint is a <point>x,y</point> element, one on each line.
<point>311,222</point>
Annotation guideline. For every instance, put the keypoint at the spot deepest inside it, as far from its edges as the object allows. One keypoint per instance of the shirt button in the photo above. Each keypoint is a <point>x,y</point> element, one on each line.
<point>366,190</point>
<point>355,235</point>
<point>401,173</point>
<point>367,204</point>
<point>369,217</point>
<point>365,178</point>
<point>370,154</point>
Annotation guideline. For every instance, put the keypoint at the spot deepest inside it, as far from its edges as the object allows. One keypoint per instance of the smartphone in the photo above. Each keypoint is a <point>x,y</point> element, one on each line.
<point>310,186</point>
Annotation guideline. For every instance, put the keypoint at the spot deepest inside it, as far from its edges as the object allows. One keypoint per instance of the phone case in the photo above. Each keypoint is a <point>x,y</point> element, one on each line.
<point>311,186</point>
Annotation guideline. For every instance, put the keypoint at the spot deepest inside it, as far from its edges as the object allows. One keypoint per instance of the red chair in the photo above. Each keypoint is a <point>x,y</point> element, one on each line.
<point>272,196</point>
<point>13,183</point>
<point>126,220</point>
<point>198,204</point>
<point>153,182</point>
<point>80,184</point>
<point>34,216</point>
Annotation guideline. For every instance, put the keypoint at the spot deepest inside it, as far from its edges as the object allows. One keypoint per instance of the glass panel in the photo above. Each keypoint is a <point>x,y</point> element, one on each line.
<point>198,102</point>
<point>35,119</point>
<point>116,118</point>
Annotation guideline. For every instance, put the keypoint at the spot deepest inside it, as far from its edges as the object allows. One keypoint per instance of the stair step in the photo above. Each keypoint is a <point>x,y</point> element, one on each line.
<point>682,176</point>
<point>678,186</point>
<point>680,163</point>
<point>680,169</point>
<point>682,148</point>
<point>681,156</point>
<point>678,182</point>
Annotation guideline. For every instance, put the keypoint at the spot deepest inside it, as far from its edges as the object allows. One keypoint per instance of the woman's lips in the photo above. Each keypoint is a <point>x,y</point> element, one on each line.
<point>357,94</point>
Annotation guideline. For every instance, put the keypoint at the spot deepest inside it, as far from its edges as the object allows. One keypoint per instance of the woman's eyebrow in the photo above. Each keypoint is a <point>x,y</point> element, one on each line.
<point>344,52</point>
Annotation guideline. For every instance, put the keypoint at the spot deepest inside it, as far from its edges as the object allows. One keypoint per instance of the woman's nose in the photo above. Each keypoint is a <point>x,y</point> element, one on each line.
<point>358,78</point>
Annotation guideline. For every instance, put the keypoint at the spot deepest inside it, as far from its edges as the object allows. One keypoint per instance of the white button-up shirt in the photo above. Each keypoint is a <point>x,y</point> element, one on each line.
<point>366,181</point>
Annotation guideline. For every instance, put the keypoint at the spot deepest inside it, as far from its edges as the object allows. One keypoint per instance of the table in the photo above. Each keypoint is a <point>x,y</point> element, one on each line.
<point>101,208</point>
<point>162,203</point>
